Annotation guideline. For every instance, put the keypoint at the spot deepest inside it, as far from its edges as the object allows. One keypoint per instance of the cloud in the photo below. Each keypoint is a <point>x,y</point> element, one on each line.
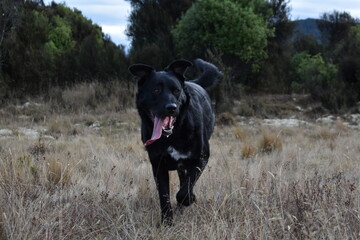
<point>314,9</point>
<point>116,32</point>
<point>107,14</point>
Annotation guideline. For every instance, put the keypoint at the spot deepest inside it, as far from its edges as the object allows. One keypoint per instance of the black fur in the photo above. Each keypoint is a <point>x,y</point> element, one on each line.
<point>166,93</point>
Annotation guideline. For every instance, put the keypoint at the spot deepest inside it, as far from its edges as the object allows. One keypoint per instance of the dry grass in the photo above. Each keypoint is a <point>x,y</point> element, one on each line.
<point>226,119</point>
<point>248,150</point>
<point>270,142</point>
<point>240,134</point>
<point>261,183</point>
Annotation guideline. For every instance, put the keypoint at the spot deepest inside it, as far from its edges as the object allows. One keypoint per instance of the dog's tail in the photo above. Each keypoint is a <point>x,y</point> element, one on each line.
<point>210,74</point>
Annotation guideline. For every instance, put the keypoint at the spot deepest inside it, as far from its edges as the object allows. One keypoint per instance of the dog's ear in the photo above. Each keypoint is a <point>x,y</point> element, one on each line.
<point>179,67</point>
<point>140,70</point>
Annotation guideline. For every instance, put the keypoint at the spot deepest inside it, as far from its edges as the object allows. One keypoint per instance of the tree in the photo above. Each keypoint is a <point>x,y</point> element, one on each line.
<point>27,61</point>
<point>56,46</point>
<point>175,8</point>
<point>307,43</point>
<point>280,20</point>
<point>225,26</point>
<point>319,78</point>
<point>60,37</point>
<point>274,75</point>
<point>149,28</point>
<point>348,52</point>
<point>9,15</point>
<point>147,20</point>
<point>9,18</point>
<point>336,25</point>
<point>344,49</point>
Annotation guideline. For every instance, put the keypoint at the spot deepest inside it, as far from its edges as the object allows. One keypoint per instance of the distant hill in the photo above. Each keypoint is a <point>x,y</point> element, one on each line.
<point>308,27</point>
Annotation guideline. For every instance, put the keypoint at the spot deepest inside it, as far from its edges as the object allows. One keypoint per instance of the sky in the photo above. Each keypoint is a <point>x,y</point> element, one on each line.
<point>112,15</point>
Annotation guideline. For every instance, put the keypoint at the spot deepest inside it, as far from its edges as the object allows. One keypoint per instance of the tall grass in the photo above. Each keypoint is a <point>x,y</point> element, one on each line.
<point>97,183</point>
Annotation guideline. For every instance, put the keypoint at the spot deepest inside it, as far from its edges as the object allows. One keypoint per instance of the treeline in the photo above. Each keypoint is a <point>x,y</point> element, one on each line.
<point>49,46</point>
<point>329,69</point>
<point>256,45</point>
<point>252,41</point>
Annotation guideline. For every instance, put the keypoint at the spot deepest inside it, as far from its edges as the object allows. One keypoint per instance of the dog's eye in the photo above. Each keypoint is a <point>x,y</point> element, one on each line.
<point>176,91</point>
<point>156,91</point>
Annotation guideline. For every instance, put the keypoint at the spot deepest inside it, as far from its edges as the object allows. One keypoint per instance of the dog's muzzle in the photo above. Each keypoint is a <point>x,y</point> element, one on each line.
<point>167,129</point>
<point>162,126</point>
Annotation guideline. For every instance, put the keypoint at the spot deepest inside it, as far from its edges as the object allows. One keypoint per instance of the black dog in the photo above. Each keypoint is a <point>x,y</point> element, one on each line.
<point>177,121</point>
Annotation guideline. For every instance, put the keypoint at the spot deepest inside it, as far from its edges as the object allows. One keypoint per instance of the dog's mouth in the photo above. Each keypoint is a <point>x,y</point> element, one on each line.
<point>162,126</point>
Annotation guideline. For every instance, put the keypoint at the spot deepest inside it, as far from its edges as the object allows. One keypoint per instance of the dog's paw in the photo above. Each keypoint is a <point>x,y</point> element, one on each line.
<point>179,209</point>
<point>185,200</point>
<point>166,219</point>
<point>166,222</point>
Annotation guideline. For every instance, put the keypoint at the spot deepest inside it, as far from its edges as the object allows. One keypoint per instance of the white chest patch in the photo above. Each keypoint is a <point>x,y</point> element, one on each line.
<point>175,154</point>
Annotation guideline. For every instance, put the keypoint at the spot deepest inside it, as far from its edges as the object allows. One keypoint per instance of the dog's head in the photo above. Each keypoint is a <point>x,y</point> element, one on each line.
<point>160,95</point>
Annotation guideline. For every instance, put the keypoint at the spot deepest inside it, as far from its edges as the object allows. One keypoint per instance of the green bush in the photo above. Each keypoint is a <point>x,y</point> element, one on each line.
<point>226,26</point>
<point>319,78</point>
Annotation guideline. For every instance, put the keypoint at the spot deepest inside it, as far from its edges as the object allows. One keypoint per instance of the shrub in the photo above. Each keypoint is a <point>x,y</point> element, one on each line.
<point>319,78</point>
<point>223,25</point>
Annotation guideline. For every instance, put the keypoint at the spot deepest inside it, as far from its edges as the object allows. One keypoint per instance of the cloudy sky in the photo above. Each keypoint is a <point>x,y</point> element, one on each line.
<point>112,15</point>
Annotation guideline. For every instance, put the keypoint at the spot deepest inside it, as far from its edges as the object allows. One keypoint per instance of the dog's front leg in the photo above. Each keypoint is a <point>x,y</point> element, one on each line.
<point>188,178</point>
<point>161,176</point>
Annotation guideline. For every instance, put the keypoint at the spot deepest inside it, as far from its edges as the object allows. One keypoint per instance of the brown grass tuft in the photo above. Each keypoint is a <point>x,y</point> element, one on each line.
<point>270,142</point>
<point>326,134</point>
<point>226,119</point>
<point>58,174</point>
<point>240,134</point>
<point>248,150</point>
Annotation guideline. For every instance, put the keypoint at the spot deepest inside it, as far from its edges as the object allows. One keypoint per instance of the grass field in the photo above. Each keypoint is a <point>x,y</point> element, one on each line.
<point>86,176</point>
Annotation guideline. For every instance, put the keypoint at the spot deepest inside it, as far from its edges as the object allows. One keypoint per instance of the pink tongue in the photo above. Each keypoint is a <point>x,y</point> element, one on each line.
<point>157,130</point>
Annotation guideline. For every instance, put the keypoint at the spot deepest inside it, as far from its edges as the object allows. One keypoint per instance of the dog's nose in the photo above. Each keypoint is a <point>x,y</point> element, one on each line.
<point>171,107</point>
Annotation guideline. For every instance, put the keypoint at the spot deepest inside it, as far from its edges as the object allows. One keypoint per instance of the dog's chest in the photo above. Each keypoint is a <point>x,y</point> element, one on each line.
<point>177,155</point>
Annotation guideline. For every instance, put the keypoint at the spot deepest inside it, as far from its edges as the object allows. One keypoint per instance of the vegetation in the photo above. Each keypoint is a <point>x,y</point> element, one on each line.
<point>71,162</point>
<point>47,46</point>
<point>85,175</point>
<point>314,75</point>
<point>149,28</point>
<point>226,26</point>
<point>253,42</point>
<point>257,59</point>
